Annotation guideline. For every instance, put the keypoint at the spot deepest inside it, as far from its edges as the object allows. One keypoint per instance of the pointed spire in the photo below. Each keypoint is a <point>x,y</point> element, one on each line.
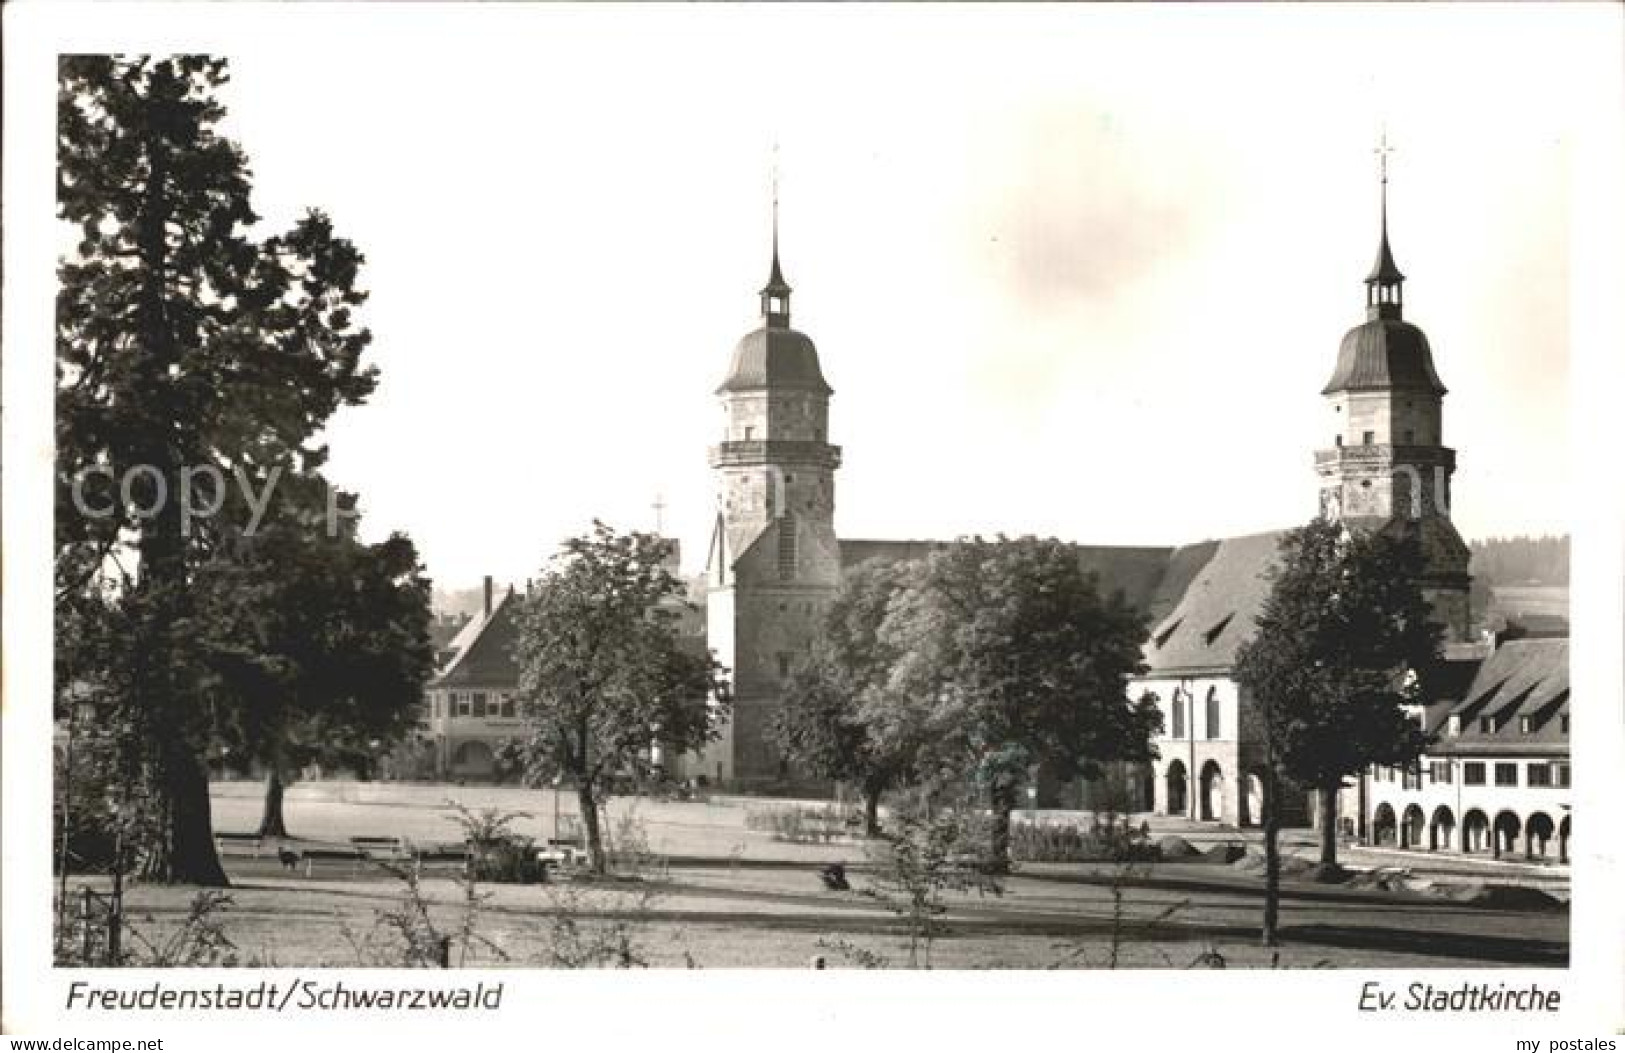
<point>776,293</point>
<point>1383,285</point>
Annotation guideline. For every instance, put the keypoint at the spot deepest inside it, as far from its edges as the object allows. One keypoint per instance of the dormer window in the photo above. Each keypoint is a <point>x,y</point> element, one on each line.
<point>1454,727</point>
<point>1524,725</point>
<point>1486,725</point>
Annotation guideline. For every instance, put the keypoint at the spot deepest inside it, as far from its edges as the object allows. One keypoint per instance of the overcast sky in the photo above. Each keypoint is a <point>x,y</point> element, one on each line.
<point>1073,271</point>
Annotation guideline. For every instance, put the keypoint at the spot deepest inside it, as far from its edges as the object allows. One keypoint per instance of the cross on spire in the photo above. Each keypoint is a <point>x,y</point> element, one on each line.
<point>776,294</point>
<point>659,506</point>
<point>1383,297</point>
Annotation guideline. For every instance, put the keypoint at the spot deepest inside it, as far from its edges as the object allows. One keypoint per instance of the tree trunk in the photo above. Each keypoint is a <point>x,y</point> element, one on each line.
<point>589,827</point>
<point>1003,800</point>
<point>1272,859</point>
<point>871,811</point>
<point>271,821</point>
<point>184,853</point>
<point>1328,829</point>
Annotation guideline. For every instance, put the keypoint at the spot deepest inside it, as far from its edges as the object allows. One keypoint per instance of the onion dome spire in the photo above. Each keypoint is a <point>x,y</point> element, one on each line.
<point>1384,286</point>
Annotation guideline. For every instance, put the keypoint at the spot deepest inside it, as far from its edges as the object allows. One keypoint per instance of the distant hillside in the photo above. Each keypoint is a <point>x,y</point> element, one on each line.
<point>1521,561</point>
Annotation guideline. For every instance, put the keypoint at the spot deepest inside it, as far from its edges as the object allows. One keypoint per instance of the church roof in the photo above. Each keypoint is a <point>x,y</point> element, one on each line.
<point>1384,354</point>
<point>1215,607</point>
<point>483,653</point>
<point>775,357</point>
<point>1137,572</point>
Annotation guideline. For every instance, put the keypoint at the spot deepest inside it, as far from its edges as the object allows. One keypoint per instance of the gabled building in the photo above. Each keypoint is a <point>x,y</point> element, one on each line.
<point>1496,779</point>
<point>471,706</point>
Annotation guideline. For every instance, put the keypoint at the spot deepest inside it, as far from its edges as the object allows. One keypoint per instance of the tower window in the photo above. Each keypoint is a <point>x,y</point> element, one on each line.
<point>784,665</point>
<point>1338,440</point>
<point>1370,437</point>
<point>1410,436</point>
<point>749,433</point>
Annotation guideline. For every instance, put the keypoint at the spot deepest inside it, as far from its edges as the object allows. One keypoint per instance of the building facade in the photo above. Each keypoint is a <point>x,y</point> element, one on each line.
<point>471,705</point>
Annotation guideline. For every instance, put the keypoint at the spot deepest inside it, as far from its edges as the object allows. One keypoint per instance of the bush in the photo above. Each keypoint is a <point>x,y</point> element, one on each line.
<point>1105,839</point>
<point>801,824</point>
<point>496,852</point>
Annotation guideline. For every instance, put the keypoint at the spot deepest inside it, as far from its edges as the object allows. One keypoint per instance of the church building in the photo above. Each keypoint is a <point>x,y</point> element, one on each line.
<point>775,561</point>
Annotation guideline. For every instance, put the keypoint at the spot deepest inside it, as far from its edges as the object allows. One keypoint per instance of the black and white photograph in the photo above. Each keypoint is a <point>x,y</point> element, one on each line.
<point>711,494</point>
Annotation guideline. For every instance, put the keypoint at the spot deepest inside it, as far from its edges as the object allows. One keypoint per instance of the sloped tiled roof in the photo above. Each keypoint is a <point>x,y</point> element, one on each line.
<point>483,653</point>
<point>1136,572</point>
<point>858,551</point>
<point>1217,610</point>
<point>1521,678</point>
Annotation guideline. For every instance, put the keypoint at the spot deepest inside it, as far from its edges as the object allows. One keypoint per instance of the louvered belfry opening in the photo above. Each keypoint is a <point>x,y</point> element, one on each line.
<point>787,547</point>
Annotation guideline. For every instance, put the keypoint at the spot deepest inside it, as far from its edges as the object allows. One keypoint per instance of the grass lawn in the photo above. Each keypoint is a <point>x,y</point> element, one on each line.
<point>733,897</point>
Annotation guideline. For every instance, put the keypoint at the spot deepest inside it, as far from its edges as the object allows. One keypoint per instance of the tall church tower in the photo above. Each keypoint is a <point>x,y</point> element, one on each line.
<point>1388,468</point>
<point>774,562</point>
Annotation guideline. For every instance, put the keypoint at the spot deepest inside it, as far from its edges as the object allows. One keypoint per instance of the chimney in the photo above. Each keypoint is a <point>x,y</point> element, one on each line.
<point>488,595</point>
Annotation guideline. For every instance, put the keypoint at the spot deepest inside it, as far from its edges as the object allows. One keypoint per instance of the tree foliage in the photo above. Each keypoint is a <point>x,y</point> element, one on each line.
<point>1326,671</point>
<point>1011,657</point>
<point>1345,620</point>
<point>184,341</point>
<point>318,646</point>
<point>832,720</point>
<point>604,675</point>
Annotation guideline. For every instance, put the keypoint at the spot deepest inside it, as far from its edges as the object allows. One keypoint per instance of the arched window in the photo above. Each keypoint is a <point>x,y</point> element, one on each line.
<point>1213,712</point>
<point>1179,714</point>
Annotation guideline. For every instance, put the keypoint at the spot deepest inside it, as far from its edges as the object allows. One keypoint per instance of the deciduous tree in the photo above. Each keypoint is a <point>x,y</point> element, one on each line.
<point>1020,660</point>
<point>840,719</point>
<point>317,645</point>
<point>604,675</point>
<point>1326,670</point>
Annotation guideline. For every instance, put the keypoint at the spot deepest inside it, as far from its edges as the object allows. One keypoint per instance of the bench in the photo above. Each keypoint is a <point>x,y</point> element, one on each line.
<point>453,852</point>
<point>224,840</point>
<point>383,847</point>
<point>311,856</point>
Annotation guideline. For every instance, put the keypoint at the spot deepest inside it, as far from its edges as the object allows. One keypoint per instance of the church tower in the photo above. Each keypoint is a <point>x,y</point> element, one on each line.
<point>774,562</point>
<point>1388,467</point>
